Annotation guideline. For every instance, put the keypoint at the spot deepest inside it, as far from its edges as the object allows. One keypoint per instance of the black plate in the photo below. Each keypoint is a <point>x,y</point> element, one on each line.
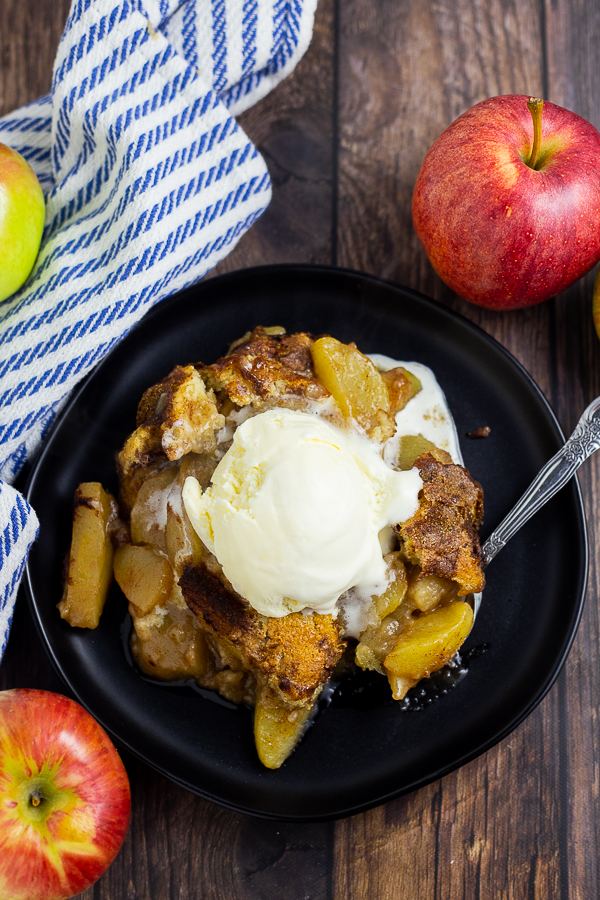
<point>352,758</point>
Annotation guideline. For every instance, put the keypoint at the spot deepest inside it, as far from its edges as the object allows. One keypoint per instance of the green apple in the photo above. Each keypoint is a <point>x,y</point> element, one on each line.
<point>22,213</point>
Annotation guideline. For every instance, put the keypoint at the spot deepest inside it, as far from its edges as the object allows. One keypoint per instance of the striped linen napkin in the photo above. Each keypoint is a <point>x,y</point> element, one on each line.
<point>149,182</point>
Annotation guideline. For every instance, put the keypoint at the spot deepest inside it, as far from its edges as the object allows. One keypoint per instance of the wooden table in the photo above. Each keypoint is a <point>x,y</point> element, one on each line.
<point>344,137</point>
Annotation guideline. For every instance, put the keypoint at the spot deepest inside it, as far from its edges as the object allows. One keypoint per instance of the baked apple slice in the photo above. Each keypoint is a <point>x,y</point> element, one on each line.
<point>90,567</point>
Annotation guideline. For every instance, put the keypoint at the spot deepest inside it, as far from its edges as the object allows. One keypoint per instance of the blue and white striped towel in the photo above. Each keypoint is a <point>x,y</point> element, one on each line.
<point>149,182</point>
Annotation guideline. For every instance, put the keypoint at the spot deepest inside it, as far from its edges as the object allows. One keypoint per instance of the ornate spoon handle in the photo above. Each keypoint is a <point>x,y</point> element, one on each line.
<point>584,441</point>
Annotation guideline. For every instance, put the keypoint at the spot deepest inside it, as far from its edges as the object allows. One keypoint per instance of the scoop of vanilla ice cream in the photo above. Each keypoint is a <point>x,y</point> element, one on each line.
<point>294,512</point>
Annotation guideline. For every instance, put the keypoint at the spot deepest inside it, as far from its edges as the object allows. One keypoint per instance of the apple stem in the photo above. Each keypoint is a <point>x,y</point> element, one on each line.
<point>535,107</point>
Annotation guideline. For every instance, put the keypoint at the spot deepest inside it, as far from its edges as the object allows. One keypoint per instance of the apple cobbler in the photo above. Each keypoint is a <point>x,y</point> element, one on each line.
<point>192,616</point>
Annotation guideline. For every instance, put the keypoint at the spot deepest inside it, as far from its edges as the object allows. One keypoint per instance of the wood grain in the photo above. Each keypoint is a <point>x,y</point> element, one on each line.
<point>293,129</point>
<point>344,137</point>
<point>406,70</point>
<point>29,36</point>
<point>573,81</point>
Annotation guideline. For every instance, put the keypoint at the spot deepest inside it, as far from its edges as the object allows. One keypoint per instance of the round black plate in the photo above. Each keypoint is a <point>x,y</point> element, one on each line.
<point>350,759</point>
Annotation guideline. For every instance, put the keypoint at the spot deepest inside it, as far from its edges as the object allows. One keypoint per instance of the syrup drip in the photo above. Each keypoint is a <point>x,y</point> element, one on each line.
<point>354,689</point>
<point>189,685</point>
<point>368,690</point>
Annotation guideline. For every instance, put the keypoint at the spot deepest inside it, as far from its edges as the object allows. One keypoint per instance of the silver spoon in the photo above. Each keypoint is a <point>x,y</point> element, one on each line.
<point>584,441</point>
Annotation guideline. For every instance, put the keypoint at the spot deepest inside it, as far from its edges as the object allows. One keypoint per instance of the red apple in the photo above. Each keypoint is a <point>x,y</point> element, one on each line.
<point>503,227</point>
<point>22,213</point>
<point>64,797</point>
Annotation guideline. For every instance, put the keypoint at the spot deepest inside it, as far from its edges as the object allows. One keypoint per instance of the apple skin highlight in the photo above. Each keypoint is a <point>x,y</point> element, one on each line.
<point>22,213</point>
<point>499,233</point>
<point>64,797</point>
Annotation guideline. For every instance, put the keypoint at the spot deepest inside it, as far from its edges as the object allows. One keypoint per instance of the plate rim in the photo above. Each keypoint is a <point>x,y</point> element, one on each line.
<point>441,771</point>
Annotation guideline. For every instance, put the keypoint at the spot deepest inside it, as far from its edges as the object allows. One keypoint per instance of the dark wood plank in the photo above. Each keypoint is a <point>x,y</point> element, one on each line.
<point>572,28</point>
<point>406,71</point>
<point>293,129</point>
<point>29,36</point>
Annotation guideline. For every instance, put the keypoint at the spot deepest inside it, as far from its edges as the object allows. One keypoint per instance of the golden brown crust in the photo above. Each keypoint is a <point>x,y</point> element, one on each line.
<point>442,537</point>
<point>266,367</point>
<point>181,414</point>
<point>296,653</point>
<point>293,655</point>
<point>176,416</point>
<point>402,386</point>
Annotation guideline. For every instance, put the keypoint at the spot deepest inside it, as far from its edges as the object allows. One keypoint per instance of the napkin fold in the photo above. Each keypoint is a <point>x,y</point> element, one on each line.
<point>149,182</point>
